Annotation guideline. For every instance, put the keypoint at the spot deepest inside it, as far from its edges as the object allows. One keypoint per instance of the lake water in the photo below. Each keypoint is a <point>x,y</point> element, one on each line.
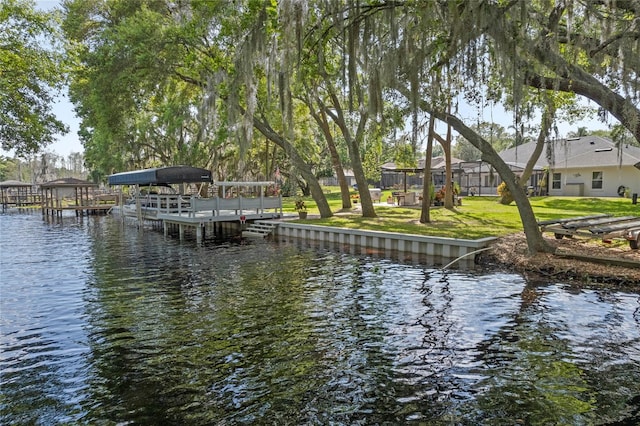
<point>103,324</point>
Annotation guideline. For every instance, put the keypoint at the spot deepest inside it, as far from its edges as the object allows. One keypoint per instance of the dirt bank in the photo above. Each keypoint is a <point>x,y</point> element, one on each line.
<point>567,264</point>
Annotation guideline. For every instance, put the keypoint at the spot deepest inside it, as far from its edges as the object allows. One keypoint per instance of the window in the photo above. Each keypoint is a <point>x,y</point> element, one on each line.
<point>490,181</point>
<point>596,180</point>
<point>556,181</point>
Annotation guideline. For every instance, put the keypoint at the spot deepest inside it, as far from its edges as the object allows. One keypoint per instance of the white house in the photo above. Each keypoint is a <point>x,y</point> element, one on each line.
<point>589,166</point>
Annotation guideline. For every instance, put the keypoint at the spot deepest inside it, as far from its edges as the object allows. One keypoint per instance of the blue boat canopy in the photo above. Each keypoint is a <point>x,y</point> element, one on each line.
<point>162,176</point>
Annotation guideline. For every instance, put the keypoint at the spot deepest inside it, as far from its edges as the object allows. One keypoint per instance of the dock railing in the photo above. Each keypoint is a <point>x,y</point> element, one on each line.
<point>239,205</point>
<point>194,206</point>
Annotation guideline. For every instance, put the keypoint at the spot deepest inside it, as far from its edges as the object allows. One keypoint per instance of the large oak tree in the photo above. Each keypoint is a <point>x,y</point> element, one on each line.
<point>32,72</point>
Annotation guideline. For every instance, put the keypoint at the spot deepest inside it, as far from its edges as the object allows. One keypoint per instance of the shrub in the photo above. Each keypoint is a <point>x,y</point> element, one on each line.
<point>503,191</point>
<point>300,206</point>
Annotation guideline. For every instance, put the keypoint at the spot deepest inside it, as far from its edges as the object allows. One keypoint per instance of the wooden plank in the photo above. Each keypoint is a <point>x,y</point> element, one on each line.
<point>621,226</point>
<point>596,222</point>
<point>602,260</point>
<point>570,219</point>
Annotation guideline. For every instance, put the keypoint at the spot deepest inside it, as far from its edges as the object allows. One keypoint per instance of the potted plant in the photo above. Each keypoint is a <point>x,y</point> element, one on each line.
<point>301,208</point>
<point>439,198</point>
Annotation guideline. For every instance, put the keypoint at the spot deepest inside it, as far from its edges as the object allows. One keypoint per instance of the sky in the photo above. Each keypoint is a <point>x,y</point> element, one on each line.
<point>70,142</point>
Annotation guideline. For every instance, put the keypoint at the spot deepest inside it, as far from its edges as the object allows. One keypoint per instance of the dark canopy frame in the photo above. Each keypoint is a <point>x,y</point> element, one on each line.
<point>162,176</point>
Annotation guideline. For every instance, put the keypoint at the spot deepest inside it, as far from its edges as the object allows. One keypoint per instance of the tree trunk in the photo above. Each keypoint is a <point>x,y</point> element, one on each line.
<point>446,148</point>
<point>545,126</point>
<point>323,123</point>
<point>337,166</point>
<point>299,163</point>
<point>358,172</point>
<point>353,145</point>
<point>535,241</point>
<point>425,214</point>
<point>448,190</point>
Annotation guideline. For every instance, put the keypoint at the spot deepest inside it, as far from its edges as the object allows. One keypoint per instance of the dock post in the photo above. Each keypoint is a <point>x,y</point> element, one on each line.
<point>181,231</point>
<point>139,207</point>
<point>199,234</point>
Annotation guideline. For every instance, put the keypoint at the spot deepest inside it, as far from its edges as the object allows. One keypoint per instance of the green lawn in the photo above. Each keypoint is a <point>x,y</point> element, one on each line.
<point>478,217</point>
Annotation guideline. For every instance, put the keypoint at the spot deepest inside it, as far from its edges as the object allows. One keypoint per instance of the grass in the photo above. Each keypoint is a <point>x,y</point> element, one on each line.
<point>478,217</point>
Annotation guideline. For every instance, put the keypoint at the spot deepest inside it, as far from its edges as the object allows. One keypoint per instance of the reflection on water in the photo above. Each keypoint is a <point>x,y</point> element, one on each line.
<point>104,324</point>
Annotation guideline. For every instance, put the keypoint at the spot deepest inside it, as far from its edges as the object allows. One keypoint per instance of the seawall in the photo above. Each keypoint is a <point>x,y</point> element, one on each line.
<point>447,248</point>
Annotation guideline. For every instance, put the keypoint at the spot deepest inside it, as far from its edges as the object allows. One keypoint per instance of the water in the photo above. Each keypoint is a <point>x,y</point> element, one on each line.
<point>102,324</point>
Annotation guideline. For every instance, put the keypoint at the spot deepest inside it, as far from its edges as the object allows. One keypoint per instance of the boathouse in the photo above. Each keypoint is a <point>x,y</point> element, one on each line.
<point>18,194</point>
<point>73,194</point>
<point>230,204</point>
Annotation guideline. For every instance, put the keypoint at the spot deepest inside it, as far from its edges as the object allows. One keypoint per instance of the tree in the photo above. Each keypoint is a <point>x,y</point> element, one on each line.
<point>168,83</point>
<point>135,109</point>
<point>491,50</point>
<point>581,131</point>
<point>315,103</point>
<point>494,133</point>
<point>425,213</point>
<point>586,48</point>
<point>32,72</point>
<point>9,168</point>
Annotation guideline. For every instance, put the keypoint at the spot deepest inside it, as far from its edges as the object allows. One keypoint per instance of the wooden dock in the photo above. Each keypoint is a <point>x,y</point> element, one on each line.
<point>203,212</point>
<point>232,204</point>
<point>14,193</point>
<point>194,213</point>
<point>79,196</point>
<point>602,226</point>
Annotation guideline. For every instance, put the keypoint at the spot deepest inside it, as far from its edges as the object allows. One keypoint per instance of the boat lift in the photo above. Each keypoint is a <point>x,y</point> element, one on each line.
<point>603,226</point>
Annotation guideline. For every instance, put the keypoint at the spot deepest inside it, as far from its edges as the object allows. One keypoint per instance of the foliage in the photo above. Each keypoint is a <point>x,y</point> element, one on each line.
<point>9,169</point>
<point>145,104</point>
<point>43,167</point>
<point>506,197</point>
<point>300,205</point>
<point>502,190</point>
<point>494,133</point>
<point>32,72</point>
<point>189,81</point>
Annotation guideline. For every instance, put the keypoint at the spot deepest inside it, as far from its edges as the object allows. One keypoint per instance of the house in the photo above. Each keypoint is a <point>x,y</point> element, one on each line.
<point>589,166</point>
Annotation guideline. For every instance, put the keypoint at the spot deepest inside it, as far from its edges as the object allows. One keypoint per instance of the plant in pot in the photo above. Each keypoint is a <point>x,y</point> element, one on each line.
<point>439,198</point>
<point>301,208</point>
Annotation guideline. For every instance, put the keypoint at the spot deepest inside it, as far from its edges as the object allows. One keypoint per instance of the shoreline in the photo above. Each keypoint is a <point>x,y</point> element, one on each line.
<point>575,261</point>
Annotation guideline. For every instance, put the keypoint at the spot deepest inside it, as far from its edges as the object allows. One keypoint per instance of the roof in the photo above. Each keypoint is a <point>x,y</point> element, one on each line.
<point>484,167</point>
<point>161,176</point>
<point>587,151</point>
<point>437,163</point>
<point>68,183</point>
<point>13,184</point>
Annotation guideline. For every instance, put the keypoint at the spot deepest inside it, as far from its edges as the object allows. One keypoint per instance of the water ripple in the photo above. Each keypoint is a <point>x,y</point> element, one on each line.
<point>102,323</point>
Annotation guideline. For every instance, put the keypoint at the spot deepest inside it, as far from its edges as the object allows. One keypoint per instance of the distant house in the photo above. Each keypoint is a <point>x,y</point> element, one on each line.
<point>588,166</point>
<point>333,180</point>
